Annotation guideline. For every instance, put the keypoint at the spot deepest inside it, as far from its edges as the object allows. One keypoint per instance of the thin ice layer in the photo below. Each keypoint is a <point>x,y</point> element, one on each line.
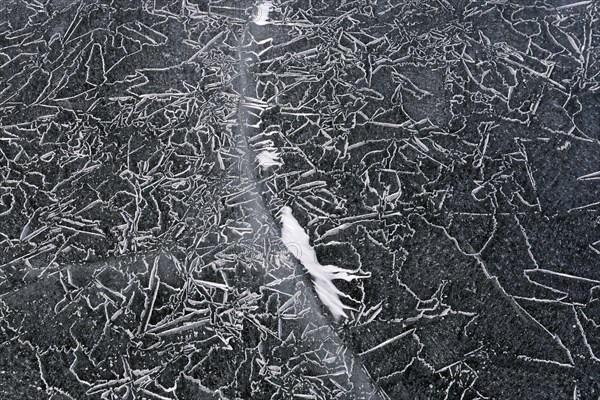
<point>296,240</point>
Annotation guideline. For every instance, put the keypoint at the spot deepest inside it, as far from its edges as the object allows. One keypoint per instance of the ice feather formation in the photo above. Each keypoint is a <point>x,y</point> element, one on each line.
<point>262,13</point>
<point>297,242</point>
<point>268,158</point>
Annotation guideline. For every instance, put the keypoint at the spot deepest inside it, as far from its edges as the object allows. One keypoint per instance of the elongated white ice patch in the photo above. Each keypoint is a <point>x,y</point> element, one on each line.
<point>296,240</point>
<point>268,158</point>
<point>262,13</point>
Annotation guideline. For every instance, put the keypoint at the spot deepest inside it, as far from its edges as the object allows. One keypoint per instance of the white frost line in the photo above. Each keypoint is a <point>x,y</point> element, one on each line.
<point>297,242</point>
<point>538,360</point>
<point>578,4</point>
<point>561,274</point>
<point>262,13</point>
<point>386,342</point>
<point>593,175</point>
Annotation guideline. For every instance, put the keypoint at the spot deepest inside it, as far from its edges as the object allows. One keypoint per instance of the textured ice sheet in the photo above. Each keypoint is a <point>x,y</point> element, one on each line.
<point>448,150</point>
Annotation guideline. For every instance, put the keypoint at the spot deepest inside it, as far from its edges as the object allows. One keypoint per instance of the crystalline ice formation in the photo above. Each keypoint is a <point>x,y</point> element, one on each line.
<point>296,240</point>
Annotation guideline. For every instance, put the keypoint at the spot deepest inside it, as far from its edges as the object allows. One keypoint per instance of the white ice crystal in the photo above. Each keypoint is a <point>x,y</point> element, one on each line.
<point>296,240</point>
<point>262,13</point>
<point>268,158</point>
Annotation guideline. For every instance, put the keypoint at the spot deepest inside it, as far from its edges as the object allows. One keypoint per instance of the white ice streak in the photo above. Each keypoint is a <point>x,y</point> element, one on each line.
<point>296,240</point>
<point>262,13</point>
<point>268,158</point>
<point>267,154</point>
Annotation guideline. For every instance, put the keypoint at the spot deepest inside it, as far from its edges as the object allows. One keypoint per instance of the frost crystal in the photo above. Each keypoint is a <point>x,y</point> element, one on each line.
<point>296,240</point>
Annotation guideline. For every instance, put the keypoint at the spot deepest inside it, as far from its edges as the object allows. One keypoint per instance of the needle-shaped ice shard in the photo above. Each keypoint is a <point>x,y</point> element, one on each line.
<point>296,240</point>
